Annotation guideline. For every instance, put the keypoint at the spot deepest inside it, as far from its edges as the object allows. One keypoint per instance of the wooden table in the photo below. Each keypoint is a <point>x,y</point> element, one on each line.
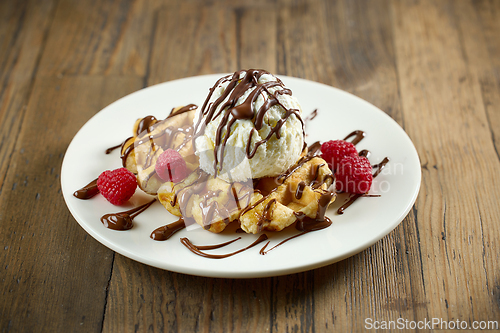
<point>433,66</point>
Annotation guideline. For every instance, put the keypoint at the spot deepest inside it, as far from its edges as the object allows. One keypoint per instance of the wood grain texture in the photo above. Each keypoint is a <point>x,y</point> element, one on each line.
<point>23,27</point>
<point>257,50</point>
<point>192,39</point>
<point>54,274</point>
<point>456,222</point>
<point>165,301</point>
<point>479,29</point>
<point>100,38</point>
<point>433,66</point>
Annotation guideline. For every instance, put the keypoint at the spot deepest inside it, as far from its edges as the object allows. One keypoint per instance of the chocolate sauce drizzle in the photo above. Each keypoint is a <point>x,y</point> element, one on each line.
<point>165,232</point>
<point>145,124</point>
<point>266,214</point>
<point>235,89</point>
<point>364,153</point>
<point>186,108</point>
<point>380,166</point>
<point>358,136</point>
<point>263,250</point>
<point>110,149</point>
<point>311,116</point>
<point>215,246</point>
<point>306,224</point>
<point>350,201</point>
<point>209,210</point>
<point>322,204</point>
<point>126,150</point>
<point>197,249</point>
<point>123,220</point>
<point>88,191</point>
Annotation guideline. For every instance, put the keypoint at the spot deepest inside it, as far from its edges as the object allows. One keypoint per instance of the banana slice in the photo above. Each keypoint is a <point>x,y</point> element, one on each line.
<point>151,138</point>
<point>272,204</point>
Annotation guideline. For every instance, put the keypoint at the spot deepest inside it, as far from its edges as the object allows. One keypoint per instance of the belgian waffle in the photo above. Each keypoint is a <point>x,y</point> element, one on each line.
<point>271,204</point>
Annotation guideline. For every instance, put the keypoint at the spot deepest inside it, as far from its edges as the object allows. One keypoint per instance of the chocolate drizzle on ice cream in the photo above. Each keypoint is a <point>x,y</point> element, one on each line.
<point>238,101</point>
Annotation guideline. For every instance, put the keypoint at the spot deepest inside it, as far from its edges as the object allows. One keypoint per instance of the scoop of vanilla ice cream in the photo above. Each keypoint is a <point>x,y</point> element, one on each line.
<point>273,156</point>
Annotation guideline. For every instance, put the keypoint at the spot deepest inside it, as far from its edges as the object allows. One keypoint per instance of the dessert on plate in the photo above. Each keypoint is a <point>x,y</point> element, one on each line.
<point>240,157</point>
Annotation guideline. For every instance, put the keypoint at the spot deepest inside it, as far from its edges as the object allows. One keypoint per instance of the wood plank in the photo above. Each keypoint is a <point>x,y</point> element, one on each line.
<point>302,47</point>
<point>457,222</point>
<point>381,283</point>
<point>481,48</point>
<point>300,52</point>
<point>23,28</point>
<point>361,54</point>
<point>145,298</point>
<point>354,52</point>
<point>192,39</point>
<point>479,24</point>
<point>99,37</point>
<point>257,34</point>
<point>55,275</point>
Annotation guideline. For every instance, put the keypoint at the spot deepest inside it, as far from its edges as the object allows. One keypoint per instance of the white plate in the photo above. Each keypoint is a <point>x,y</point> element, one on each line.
<point>364,223</point>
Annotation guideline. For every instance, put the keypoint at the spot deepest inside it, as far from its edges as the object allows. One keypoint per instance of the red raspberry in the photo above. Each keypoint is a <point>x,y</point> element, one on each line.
<point>117,186</point>
<point>171,167</point>
<point>354,175</point>
<point>334,151</point>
